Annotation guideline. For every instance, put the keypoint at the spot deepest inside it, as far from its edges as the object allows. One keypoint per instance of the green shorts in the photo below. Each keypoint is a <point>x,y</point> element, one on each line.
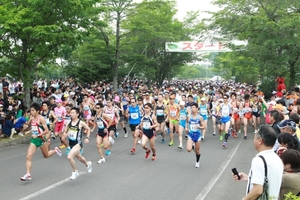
<point>174,121</point>
<point>38,142</point>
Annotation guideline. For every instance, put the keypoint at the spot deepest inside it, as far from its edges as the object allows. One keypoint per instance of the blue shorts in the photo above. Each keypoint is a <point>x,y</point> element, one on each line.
<point>225,119</point>
<point>205,117</point>
<point>195,136</point>
<point>182,123</point>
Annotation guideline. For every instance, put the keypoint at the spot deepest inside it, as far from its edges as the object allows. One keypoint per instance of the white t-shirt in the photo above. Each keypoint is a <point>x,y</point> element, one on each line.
<point>275,171</point>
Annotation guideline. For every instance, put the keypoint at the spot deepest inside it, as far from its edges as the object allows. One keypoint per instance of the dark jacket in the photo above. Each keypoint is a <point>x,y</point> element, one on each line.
<point>8,125</point>
<point>276,128</point>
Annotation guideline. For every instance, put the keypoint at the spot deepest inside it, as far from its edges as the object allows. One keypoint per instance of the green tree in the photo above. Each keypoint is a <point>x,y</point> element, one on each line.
<point>149,26</point>
<point>271,29</point>
<point>32,32</point>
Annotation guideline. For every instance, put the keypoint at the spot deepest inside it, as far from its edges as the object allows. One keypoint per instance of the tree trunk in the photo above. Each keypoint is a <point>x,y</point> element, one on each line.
<point>27,96</point>
<point>117,54</point>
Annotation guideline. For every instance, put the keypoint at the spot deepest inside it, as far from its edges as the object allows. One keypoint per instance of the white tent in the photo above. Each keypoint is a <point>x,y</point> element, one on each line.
<point>217,78</point>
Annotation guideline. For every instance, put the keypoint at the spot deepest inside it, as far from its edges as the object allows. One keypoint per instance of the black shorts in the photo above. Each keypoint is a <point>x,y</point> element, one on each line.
<point>121,118</point>
<point>73,143</point>
<point>160,120</point>
<point>218,120</point>
<point>133,126</point>
<point>101,133</point>
<point>149,133</point>
<point>168,124</point>
<point>256,114</point>
<point>112,128</point>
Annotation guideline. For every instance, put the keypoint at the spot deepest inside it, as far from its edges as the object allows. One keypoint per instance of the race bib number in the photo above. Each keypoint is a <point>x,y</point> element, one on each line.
<point>159,112</point>
<point>47,120</point>
<point>72,135</point>
<point>173,113</point>
<point>146,125</point>
<point>111,116</point>
<point>34,130</point>
<point>255,110</point>
<point>182,117</point>
<point>100,124</point>
<point>194,127</point>
<point>203,111</point>
<point>59,119</point>
<point>134,115</point>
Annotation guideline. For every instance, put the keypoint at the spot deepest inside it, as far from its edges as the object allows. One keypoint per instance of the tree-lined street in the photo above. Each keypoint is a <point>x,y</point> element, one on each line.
<point>126,176</point>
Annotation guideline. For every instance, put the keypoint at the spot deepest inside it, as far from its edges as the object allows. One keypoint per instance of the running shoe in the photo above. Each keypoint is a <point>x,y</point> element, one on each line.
<point>21,134</point>
<point>102,160</point>
<point>180,147</point>
<point>197,165</point>
<point>126,135</point>
<point>202,138</point>
<point>132,150</point>
<point>62,146</point>
<point>107,152</point>
<point>171,143</point>
<point>116,134</point>
<point>139,141</point>
<point>81,151</point>
<point>68,150</point>
<point>221,138</point>
<point>245,137</point>
<point>163,140</point>
<point>214,134</point>
<point>239,131</point>
<point>153,157</point>
<point>74,175</point>
<point>147,154</point>
<point>233,133</point>
<point>89,167</point>
<point>111,140</point>
<point>26,177</point>
<point>58,152</point>
<point>186,137</point>
<point>52,135</point>
<point>224,144</point>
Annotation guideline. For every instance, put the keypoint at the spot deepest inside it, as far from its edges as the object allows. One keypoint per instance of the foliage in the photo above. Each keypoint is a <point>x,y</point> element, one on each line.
<point>271,29</point>
<point>195,72</point>
<point>149,25</point>
<point>32,32</point>
<point>291,196</point>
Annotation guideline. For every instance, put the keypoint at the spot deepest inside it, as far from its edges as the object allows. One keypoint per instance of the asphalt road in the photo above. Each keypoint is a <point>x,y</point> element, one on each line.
<point>125,176</point>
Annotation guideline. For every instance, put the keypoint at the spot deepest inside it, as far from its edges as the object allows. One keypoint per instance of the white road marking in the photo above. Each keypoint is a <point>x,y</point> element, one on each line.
<point>220,171</point>
<point>50,187</point>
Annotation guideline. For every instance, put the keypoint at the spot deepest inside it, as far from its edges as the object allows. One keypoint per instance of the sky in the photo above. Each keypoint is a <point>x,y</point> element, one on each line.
<point>184,6</point>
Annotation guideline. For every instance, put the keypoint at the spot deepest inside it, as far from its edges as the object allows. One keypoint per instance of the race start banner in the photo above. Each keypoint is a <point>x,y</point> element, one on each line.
<point>194,46</point>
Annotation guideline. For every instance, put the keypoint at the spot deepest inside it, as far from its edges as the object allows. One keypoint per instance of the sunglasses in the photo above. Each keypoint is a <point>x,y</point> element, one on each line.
<point>172,98</point>
<point>224,97</point>
<point>97,107</point>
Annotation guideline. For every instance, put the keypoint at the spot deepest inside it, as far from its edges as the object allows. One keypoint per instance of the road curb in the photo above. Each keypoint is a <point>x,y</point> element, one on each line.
<point>11,142</point>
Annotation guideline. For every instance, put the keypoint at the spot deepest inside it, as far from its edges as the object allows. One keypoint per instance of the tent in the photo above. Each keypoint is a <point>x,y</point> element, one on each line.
<point>217,78</point>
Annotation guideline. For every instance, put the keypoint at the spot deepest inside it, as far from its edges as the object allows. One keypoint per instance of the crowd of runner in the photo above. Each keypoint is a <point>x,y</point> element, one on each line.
<point>71,112</point>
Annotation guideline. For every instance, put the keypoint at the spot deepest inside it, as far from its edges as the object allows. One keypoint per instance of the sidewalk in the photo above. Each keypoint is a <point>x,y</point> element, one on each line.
<point>4,142</point>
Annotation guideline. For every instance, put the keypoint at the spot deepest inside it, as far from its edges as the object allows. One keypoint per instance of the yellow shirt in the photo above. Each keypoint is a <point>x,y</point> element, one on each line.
<point>298,132</point>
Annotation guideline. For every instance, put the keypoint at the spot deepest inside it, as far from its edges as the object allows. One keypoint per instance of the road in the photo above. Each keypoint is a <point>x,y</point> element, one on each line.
<point>125,176</point>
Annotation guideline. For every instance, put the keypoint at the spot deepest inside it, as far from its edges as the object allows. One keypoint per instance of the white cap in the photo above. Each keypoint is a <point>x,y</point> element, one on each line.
<point>203,99</point>
<point>132,91</point>
<point>274,92</point>
<point>182,103</point>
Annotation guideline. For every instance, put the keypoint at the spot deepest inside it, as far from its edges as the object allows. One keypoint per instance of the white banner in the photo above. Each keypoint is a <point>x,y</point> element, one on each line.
<point>194,46</point>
